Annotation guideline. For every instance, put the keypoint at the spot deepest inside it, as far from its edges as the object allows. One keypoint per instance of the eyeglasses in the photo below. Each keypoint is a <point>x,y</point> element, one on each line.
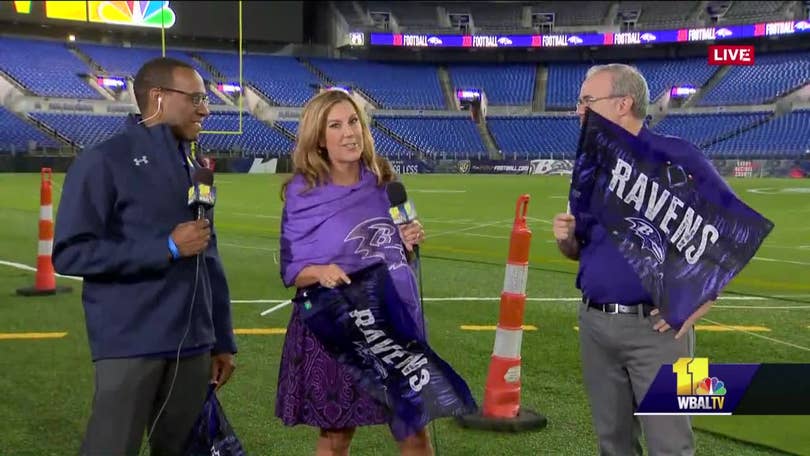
<point>587,101</point>
<point>196,98</point>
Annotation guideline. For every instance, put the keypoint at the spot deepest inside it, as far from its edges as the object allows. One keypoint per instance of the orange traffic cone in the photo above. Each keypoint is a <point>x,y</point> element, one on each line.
<point>45,281</point>
<point>502,410</point>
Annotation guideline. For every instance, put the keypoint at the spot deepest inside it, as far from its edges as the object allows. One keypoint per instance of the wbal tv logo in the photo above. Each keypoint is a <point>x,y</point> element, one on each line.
<point>696,390</point>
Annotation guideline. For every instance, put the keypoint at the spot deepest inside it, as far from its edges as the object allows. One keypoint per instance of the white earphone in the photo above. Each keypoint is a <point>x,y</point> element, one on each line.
<point>157,111</point>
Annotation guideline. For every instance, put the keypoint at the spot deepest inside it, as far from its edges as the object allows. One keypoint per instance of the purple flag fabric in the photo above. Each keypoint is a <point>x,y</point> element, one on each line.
<point>212,433</point>
<point>365,327</point>
<point>678,224</point>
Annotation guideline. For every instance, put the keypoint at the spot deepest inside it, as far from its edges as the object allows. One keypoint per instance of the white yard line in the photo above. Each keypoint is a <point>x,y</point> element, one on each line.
<point>248,214</point>
<point>774,260</point>
<point>771,339</point>
<point>247,247</point>
<point>25,267</point>
<point>461,230</point>
<point>283,303</point>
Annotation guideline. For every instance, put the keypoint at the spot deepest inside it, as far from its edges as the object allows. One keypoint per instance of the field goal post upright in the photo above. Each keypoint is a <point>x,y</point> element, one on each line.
<point>240,100</point>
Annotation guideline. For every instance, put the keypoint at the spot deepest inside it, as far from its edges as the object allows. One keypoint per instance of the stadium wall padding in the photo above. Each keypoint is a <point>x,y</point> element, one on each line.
<point>254,165</point>
<point>24,164</point>
<point>283,165</point>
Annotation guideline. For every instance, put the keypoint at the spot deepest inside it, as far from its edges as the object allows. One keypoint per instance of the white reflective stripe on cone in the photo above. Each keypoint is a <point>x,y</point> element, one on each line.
<point>507,342</point>
<point>46,212</point>
<point>515,279</point>
<point>45,247</point>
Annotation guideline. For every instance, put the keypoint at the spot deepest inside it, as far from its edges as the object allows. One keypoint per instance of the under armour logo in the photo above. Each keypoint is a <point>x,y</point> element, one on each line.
<point>140,161</point>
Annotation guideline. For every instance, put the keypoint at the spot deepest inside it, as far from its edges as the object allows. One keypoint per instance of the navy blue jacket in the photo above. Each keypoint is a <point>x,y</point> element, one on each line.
<point>120,201</point>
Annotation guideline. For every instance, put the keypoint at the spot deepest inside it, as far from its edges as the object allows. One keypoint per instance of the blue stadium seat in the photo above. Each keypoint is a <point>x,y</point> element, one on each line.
<point>18,135</point>
<point>536,137</point>
<point>126,61</point>
<point>783,137</point>
<point>288,125</point>
<point>503,84</point>
<point>578,13</point>
<point>438,136</point>
<point>662,75</point>
<point>46,68</point>
<point>754,12</point>
<point>393,85</point>
<point>565,79</point>
<point>257,138</point>
<point>388,146</point>
<point>659,15</point>
<point>84,129</point>
<point>562,87</point>
<point>383,144</point>
<point>289,82</point>
<point>284,80</point>
<point>122,61</point>
<point>701,129</point>
<point>773,75</point>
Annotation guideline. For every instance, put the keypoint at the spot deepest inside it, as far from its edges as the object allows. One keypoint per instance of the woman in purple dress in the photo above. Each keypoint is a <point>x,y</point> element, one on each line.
<point>336,222</point>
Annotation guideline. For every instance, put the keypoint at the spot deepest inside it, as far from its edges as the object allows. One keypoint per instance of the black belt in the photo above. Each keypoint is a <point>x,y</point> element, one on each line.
<point>616,308</point>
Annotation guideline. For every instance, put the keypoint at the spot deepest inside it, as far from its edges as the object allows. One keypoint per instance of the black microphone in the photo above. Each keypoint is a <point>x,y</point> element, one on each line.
<point>202,194</point>
<point>402,210</point>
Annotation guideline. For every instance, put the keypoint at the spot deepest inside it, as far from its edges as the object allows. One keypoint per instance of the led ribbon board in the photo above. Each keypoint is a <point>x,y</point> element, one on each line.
<point>691,35</point>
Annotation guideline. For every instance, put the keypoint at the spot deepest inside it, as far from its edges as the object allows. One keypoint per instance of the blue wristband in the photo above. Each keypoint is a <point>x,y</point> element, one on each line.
<point>173,248</point>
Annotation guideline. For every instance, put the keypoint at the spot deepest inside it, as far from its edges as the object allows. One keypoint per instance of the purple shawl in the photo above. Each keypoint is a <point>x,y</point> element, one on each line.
<point>346,225</point>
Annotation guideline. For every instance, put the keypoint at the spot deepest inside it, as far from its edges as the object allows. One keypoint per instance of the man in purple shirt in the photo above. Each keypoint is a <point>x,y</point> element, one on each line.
<point>623,339</point>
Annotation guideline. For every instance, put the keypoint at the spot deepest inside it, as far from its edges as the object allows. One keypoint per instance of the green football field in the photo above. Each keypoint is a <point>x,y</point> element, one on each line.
<point>762,317</point>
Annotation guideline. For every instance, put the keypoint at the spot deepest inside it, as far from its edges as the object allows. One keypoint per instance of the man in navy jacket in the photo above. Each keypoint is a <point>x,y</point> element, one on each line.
<point>156,300</point>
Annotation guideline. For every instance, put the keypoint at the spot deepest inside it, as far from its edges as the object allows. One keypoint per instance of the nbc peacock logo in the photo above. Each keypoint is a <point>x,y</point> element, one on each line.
<point>139,14</point>
<point>696,390</point>
<point>711,387</point>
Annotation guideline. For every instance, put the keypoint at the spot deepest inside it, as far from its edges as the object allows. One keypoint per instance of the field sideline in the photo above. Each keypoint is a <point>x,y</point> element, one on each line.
<point>762,317</point>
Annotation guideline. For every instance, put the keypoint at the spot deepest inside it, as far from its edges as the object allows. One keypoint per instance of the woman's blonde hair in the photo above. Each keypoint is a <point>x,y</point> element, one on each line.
<point>312,161</point>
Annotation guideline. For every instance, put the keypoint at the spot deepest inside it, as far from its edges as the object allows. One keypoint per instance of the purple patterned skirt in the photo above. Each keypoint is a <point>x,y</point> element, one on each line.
<point>314,389</point>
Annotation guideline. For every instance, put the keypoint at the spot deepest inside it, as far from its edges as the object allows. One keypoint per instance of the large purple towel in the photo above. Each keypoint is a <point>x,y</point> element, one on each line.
<point>365,327</point>
<point>681,228</point>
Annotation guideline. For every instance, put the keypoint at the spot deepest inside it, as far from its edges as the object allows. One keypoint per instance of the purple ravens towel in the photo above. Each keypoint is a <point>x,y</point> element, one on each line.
<point>366,327</point>
<point>684,232</point>
<point>212,433</point>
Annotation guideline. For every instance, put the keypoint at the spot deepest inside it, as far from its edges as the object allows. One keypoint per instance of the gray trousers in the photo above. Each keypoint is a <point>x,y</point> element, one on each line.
<point>621,355</point>
<point>128,396</point>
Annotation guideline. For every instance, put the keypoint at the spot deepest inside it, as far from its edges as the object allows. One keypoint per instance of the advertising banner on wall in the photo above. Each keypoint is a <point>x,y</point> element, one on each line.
<point>552,167</point>
<point>411,166</point>
<point>762,168</point>
<point>253,165</point>
<point>797,169</point>
<point>23,164</point>
<point>494,166</point>
<point>450,166</point>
